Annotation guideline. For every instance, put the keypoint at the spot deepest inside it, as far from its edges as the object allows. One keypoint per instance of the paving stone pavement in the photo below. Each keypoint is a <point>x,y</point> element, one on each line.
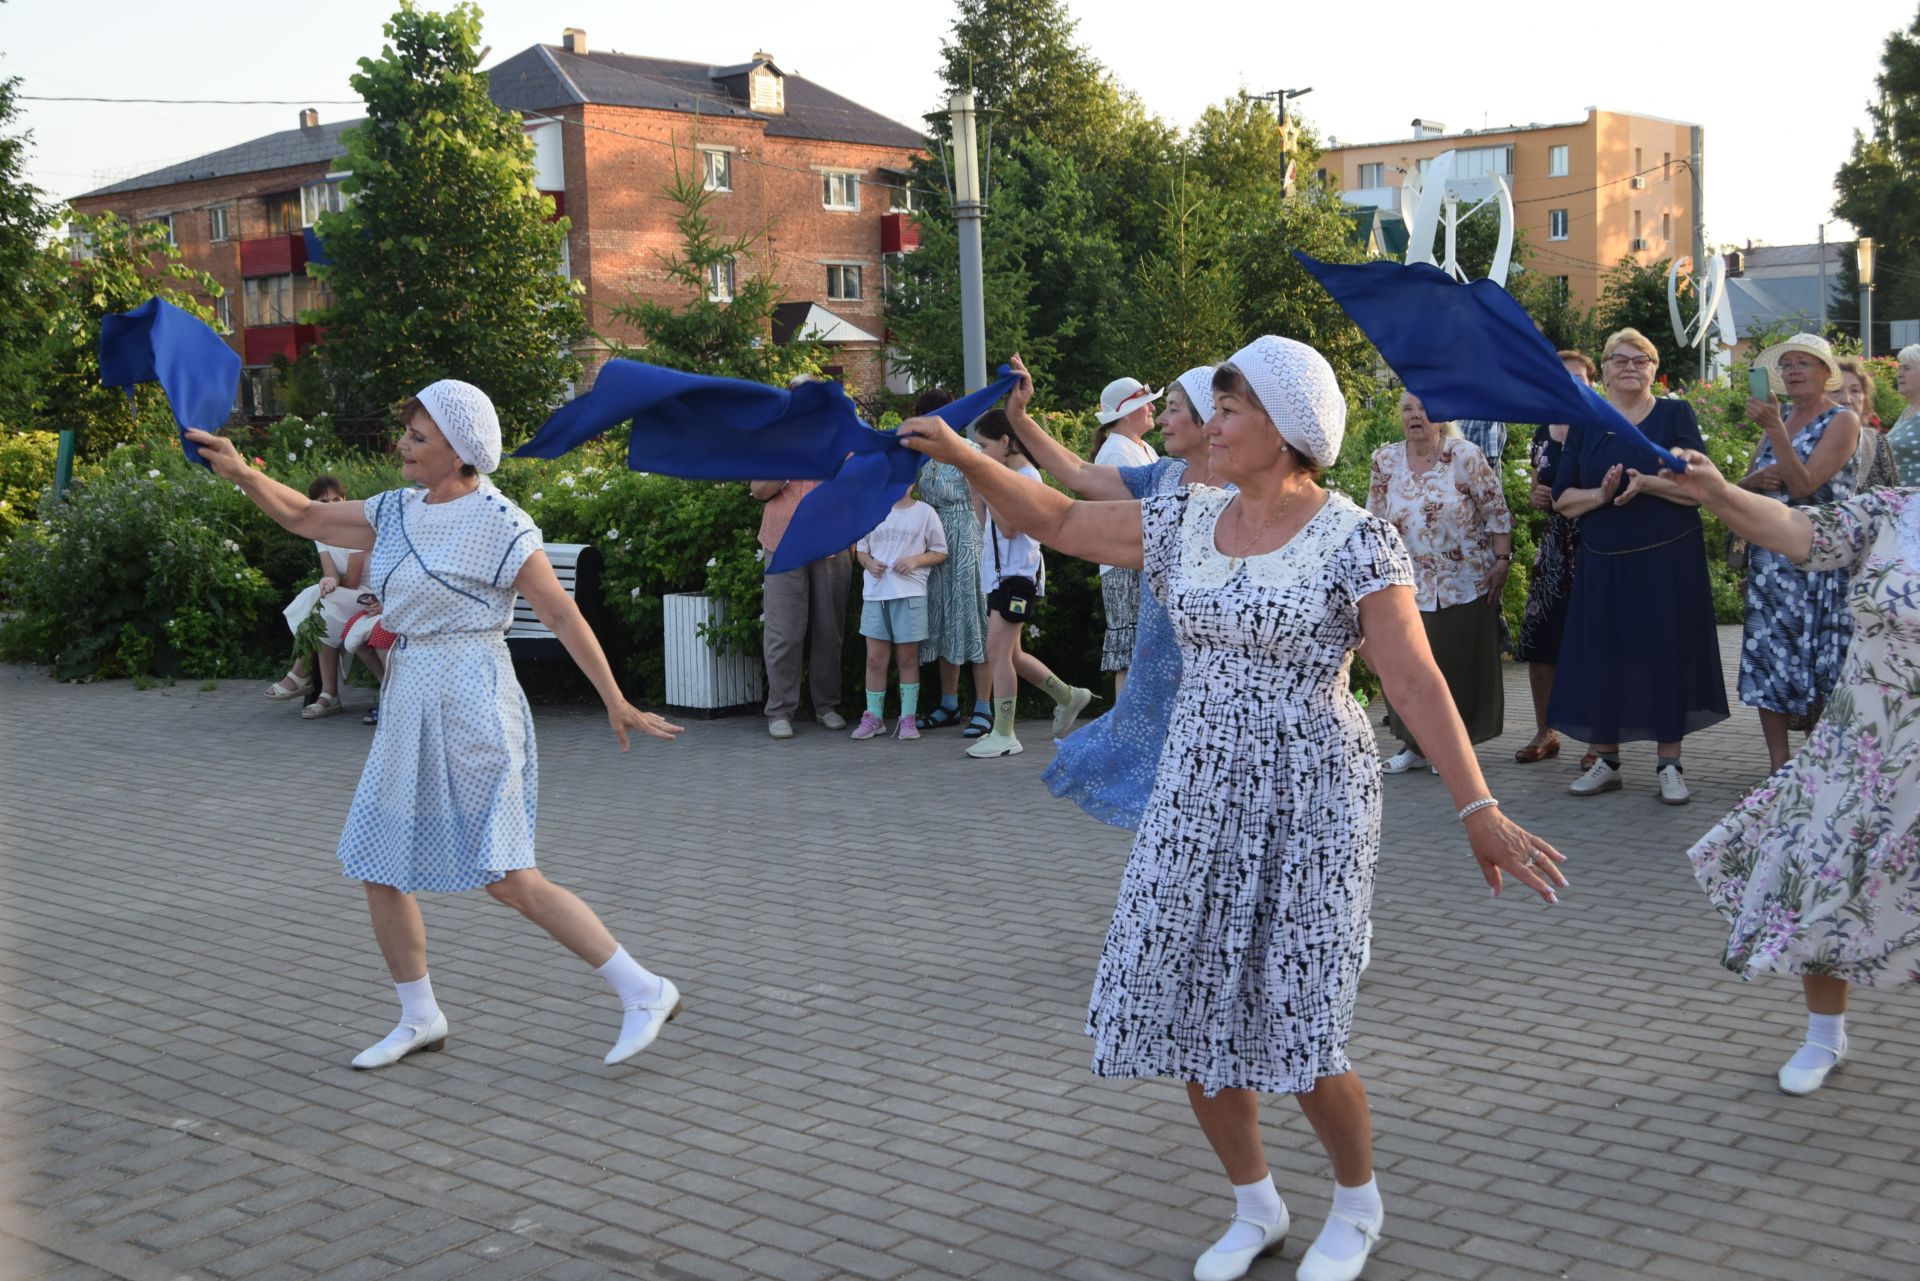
<point>886,950</point>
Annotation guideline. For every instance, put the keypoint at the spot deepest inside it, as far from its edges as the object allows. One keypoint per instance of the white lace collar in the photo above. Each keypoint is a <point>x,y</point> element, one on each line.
<point>1202,564</point>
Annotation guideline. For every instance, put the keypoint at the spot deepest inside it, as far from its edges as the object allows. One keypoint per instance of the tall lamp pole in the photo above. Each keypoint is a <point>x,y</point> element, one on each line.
<point>1280,98</point>
<point>1864,256</point>
<point>968,210</point>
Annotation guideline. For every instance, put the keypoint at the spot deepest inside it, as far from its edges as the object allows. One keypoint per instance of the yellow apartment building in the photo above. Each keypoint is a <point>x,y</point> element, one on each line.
<point>1585,194</point>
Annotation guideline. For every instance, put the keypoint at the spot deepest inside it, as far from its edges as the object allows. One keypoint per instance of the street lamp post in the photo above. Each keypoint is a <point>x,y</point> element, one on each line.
<point>1863,252</point>
<point>1280,98</point>
<point>968,210</point>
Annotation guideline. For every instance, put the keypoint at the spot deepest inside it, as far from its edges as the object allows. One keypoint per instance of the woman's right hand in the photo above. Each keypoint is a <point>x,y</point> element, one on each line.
<point>932,437</point>
<point>1701,481</point>
<point>1610,483</point>
<point>1022,394</point>
<point>220,454</point>
<point>1540,498</point>
<point>328,584</point>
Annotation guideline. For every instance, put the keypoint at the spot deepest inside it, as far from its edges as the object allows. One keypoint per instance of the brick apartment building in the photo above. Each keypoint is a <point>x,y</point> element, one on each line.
<point>1586,193</point>
<point>819,178</point>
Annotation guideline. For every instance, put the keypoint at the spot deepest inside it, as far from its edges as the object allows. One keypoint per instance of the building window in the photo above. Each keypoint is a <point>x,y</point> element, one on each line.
<point>840,190</point>
<point>165,223</point>
<point>1666,164</point>
<point>269,300</point>
<point>1373,175</point>
<point>1482,162</point>
<point>320,198</point>
<point>717,165</point>
<point>1636,226</point>
<point>1423,164</point>
<point>1556,224</point>
<point>1666,226</point>
<point>260,393</point>
<point>1639,165</point>
<point>283,213</point>
<point>217,223</point>
<point>720,281</point>
<point>899,186</point>
<point>79,244</point>
<point>1562,288</point>
<point>223,312</point>
<point>843,283</point>
<point>1556,162</point>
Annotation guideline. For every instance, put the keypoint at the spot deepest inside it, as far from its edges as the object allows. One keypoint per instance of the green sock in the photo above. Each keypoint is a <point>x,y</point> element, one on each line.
<point>909,699</point>
<point>1003,716</point>
<point>1058,690</point>
<point>876,703</point>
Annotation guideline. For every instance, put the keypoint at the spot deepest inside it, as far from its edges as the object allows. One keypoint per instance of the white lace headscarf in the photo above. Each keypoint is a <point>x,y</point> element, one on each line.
<point>467,419</point>
<point>1197,383</point>
<point>1295,385</point>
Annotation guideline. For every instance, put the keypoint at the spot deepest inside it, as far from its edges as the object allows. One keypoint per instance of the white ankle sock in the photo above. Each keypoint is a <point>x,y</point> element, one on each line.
<point>1826,1042</point>
<point>632,982</point>
<point>1339,1238</point>
<point>417,1006</point>
<point>1254,1203</point>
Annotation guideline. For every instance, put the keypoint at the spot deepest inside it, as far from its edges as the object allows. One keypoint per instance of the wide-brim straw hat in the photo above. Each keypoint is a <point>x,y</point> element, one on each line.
<point>1813,345</point>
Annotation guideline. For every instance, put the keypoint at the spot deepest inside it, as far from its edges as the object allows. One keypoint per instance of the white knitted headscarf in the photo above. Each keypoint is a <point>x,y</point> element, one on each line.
<point>1198,384</point>
<point>1295,385</point>
<point>467,419</point>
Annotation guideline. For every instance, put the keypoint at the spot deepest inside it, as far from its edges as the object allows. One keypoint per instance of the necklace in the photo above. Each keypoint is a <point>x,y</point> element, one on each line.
<point>1249,541</point>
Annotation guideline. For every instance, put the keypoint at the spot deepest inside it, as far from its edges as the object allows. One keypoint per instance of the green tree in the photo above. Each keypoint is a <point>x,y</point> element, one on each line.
<point>1185,310</point>
<point>729,331</point>
<point>107,267</point>
<point>447,262</point>
<point>1877,189</point>
<point>1633,296</point>
<point>25,220</point>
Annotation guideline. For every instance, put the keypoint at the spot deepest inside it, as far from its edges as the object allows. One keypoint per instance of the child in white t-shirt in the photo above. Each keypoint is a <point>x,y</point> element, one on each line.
<point>897,556</point>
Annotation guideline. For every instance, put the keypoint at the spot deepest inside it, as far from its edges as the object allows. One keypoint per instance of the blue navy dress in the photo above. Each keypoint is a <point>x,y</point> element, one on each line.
<point>1639,658</point>
<point>1107,768</point>
<point>447,799</point>
<point>1798,623</point>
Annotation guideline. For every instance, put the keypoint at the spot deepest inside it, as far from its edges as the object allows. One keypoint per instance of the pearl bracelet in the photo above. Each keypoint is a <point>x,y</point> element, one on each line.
<point>1472,806</point>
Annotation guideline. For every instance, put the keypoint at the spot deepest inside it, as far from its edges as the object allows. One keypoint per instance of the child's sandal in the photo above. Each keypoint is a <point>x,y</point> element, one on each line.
<point>979,725</point>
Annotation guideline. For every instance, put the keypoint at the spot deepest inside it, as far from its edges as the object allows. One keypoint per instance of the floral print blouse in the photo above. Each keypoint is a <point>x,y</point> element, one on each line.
<point>1447,516</point>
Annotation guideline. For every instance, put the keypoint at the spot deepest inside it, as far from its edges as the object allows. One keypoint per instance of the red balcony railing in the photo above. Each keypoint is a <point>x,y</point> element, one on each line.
<point>898,234</point>
<point>264,342</point>
<point>273,255</point>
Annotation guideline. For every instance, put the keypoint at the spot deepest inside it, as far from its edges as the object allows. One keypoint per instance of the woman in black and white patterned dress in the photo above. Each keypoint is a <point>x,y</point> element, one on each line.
<point>1235,951</point>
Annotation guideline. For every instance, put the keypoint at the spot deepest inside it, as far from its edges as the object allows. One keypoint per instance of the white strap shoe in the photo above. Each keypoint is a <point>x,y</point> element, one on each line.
<point>1320,1267</point>
<point>402,1041</point>
<point>643,1023</point>
<point>1805,1080</point>
<point>1230,1265</point>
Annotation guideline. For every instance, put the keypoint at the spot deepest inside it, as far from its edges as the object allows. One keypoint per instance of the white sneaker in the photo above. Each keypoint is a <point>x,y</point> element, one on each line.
<point>780,727</point>
<point>1404,760</point>
<point>402,1041</point>
<point>1315,1266</point>
<point>1673,788</point>
<point>1065,714</point>
<point>1601,778</point>
<point>1805,1080</point>
<point>1229,1265</point>
<point>995,745</point>
<point>830,719</point>
<point>636,1034</point>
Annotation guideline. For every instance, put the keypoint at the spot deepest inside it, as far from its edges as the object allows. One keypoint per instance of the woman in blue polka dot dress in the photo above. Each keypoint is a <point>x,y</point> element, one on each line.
<point>447,799</point>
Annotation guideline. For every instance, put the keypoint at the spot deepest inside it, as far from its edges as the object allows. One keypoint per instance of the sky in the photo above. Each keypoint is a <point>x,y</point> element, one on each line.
<point>1778,122</point>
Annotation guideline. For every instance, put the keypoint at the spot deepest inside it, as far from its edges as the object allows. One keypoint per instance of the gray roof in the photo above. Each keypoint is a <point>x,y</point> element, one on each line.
<point>319,145</point>
<point>544,78</point>
<point>1789,301</point>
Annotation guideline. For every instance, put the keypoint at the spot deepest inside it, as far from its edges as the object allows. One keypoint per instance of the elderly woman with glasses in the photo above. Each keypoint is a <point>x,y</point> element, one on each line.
<point>1797,622</point>
<point>1873,458</point>
<point>1640,658</point>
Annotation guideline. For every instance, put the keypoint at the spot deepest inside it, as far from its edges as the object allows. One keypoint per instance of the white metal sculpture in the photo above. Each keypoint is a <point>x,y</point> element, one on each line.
<point>1714,316</point>
<point>1427,199</point>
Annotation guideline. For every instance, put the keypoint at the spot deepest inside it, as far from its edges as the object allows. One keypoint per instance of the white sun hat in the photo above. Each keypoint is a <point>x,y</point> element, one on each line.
<point>1813,345</point>
<point>1122,397</point>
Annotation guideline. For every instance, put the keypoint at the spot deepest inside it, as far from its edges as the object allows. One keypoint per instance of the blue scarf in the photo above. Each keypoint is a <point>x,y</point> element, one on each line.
<point>706,428</point>
<point>157,341</point>
<point>1470,351</point>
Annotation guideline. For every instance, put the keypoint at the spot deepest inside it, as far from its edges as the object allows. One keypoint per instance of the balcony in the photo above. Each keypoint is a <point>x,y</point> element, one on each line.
<point>898,234</point>
<point>274,255</point>
<point>264,342</point>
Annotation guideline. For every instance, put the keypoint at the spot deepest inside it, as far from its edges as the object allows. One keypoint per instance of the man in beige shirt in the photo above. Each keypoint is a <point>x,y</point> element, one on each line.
<point>812,596</point>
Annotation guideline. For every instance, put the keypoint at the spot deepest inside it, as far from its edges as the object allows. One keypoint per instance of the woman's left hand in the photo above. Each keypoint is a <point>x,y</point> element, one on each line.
<point>1497,581</point>
<point>1637,485</point>
<point>1766,413</point>
<point>1504,848</point>
<point>624,716</point>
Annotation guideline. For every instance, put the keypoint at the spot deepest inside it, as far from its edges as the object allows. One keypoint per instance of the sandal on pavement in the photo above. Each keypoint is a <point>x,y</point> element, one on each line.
<point>939,718</point>
<point>325,705</point>
<point>1543,746</point>
<point>372,717</point>
<point>979,725</point>
<point>288,687</point>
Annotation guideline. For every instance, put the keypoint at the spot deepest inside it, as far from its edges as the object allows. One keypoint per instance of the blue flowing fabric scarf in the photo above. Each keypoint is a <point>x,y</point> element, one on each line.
<point>157,341</point>
<point>1469,350</point>
<point>705,428</point>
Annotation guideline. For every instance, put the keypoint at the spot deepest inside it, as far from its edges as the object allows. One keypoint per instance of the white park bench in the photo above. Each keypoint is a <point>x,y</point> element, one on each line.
<point>577,566</point>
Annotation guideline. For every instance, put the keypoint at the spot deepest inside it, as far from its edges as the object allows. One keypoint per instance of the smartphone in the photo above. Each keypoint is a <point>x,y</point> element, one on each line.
<point>1759,384</point>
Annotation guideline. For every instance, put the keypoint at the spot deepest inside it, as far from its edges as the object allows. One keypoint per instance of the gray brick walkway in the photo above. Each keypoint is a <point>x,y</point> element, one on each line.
<point>881,1072</point>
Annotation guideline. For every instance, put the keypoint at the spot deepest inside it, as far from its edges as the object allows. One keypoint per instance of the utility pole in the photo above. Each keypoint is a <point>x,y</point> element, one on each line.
<point>1697,137</point>
<point>1823,280</point>
<point>968,210</point>
<point>1279,98</point>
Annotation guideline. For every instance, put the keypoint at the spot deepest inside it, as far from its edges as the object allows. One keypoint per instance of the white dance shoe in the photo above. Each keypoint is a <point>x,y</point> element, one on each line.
<point>1805,1080</point>
<point>1229,1265</point>
<point>1321,1267</point>
<point>643,1023</point>
<point>402,1041</point>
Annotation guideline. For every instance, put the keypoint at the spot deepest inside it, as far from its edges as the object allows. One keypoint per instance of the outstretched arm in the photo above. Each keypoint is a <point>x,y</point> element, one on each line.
<point>1089,480</point>
<point>1761,521</point>
<point>1107,533</point>
<point>552,606</point>
<point>340,524</point>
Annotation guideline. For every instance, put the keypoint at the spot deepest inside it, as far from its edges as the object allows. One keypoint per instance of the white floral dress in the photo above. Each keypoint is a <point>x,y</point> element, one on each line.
<point>1237,943</point>
<point>447,799</point>
<point>1818,869</point>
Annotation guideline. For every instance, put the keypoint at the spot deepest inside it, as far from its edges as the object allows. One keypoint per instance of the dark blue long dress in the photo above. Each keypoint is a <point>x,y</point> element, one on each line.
<point>1640,659</point>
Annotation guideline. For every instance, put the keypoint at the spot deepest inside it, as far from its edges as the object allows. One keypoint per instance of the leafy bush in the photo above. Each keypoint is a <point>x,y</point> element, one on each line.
<point>26,469</point>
